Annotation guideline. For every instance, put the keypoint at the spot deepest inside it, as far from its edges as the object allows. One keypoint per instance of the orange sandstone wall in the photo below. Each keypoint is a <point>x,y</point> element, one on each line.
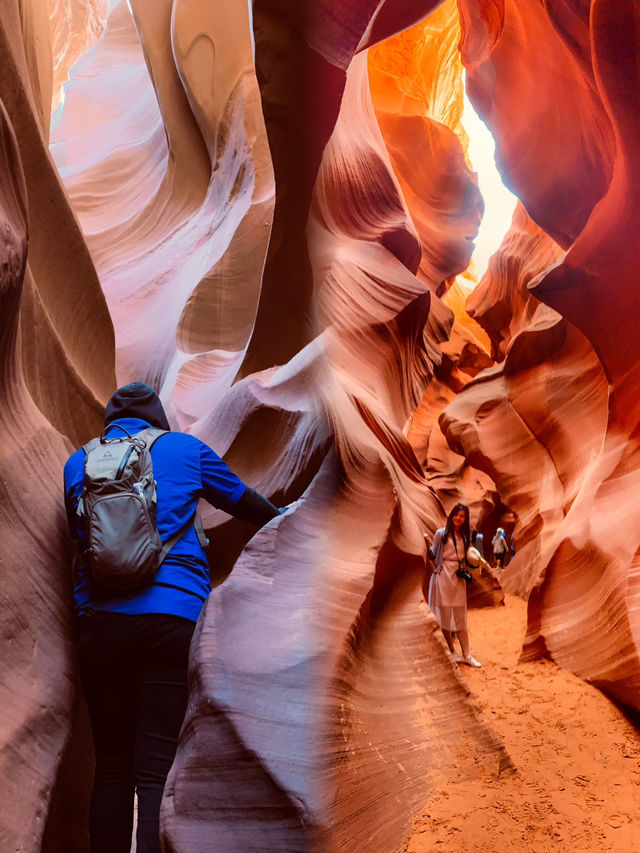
<point>557,425</point>
<point>257,250</point>
<point>417,92</point>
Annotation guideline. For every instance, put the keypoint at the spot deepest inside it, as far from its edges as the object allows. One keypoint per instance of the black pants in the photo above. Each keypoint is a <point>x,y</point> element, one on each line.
<point>500,559</point>
<point>134,676</point>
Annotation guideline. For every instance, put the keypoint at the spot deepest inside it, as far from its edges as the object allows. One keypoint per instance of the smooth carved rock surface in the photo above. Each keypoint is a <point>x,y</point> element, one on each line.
<point>502,304</point>
<point>57,372</point>
<point>314,624</point>
<point>545,47</point>
<point>75,28</point>
<point>449,474</point>
<point>176,196</point>
<point>272,263</point>
<point>67,334</point>
<point>303,51</point>
<point>37,687</point>
<point>583,416</point>
<point>417,89</point>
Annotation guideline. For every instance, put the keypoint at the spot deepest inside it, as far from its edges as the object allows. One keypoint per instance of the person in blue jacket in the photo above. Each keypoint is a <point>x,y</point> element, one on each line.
<point>134,648</point>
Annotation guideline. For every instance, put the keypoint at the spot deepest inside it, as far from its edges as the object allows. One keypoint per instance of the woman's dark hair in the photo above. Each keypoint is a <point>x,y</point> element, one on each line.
<point>466,537</point>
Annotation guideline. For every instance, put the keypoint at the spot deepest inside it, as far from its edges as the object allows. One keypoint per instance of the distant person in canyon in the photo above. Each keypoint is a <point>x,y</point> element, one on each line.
<point>477,541</point>
<point>447,589</point>
<point>499,545</point>
<point>134,643</point>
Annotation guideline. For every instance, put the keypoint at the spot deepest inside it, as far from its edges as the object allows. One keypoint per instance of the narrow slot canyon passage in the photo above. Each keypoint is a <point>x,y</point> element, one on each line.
<point>265,211</point>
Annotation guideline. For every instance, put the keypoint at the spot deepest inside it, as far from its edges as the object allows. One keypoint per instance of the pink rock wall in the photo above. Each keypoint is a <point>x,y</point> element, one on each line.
<point>176,196</point>
<point>68,337</point>
<point>57,372</point>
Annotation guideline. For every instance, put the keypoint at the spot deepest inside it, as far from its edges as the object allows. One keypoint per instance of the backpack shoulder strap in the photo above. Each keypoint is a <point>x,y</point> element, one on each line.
<point>152,434</point>
<point>202,539</point>
<point>168,545</point>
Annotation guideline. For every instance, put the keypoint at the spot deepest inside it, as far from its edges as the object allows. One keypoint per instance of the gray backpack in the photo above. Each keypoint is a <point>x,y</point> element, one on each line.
<point>118,511</point>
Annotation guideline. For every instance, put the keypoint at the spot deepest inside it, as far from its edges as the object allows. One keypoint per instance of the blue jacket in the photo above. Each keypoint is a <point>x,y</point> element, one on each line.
<point>185,469</point>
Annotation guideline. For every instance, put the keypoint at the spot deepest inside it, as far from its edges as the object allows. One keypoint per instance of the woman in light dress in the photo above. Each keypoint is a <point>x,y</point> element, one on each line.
<point>447,591</point>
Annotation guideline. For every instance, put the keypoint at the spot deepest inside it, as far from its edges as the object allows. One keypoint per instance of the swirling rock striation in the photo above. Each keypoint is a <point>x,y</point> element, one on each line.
<point>67,335</point>
<point>581,192</point>
<point>37,682</point>
<point>281,716</point>
<point>57,372</point>
<point>272,263</point>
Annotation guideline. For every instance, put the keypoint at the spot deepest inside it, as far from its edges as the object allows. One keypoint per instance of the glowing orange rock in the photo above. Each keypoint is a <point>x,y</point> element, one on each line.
<point>516,53</point>
<point>581,191</point>
<point>75,28</point>
<point>416,83</point>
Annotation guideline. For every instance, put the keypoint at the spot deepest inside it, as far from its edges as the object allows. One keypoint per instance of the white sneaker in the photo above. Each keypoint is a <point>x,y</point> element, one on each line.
<point>457,658</point>
<point>471,661</point>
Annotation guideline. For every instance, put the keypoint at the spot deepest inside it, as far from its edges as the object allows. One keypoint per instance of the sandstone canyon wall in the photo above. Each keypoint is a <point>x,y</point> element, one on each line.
<point>253,234</point>
<point>259,265</point>
<point>555,424</point>
<point>57,372</point>
<point>417,92</point>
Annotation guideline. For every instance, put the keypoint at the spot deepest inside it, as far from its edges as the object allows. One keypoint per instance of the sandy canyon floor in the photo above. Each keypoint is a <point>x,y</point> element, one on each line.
<point>577,783</point>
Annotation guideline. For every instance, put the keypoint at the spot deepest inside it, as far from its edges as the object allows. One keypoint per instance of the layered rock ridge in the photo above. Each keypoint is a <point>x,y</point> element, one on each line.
<point>556,424</point>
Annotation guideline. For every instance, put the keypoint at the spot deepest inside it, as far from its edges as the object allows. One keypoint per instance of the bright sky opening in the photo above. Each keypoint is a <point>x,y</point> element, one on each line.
<point>498,201</point>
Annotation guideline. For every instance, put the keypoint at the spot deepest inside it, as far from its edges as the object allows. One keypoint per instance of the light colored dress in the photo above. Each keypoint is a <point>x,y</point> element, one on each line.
<point>448,593</point>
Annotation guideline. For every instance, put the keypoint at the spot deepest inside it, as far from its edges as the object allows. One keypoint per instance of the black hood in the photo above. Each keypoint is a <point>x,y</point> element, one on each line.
<point>136,400</point>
